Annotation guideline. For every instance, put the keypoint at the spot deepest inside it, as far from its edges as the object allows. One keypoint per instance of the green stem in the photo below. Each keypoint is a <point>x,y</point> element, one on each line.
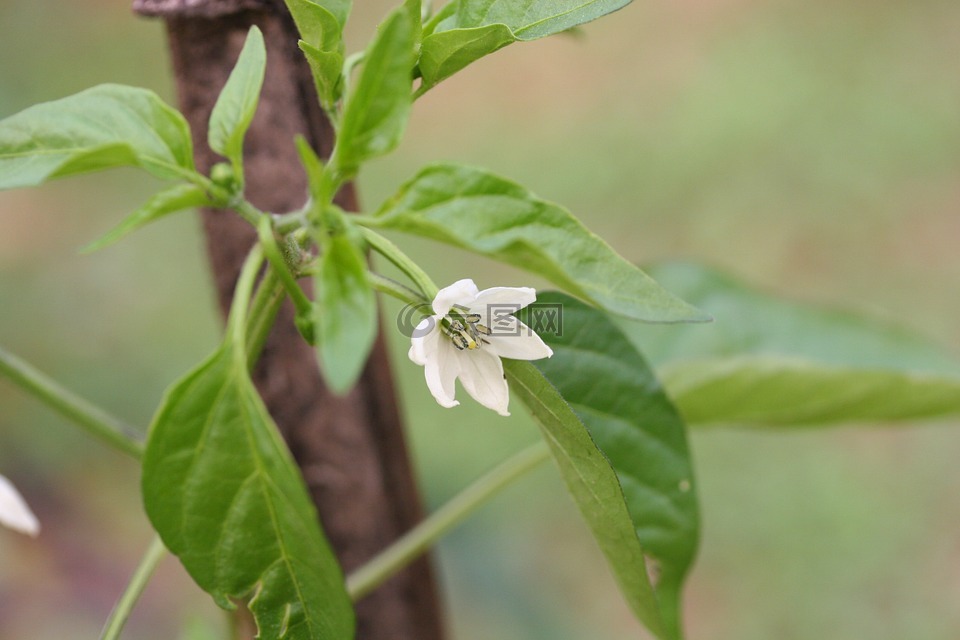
<point>242,293</point>
<point>270,249</point>
<point>413,543</point>
<point>91,418</point>
<point>284,223</point>
<point>349,64</point>
<point>263,311</point>
<point>138,582</point>
<point>366,220</point>
<point>395,289</point>
<point>217,193</point>
<point>248,212</point>
<point>422,89</point>
<point>403,262</point>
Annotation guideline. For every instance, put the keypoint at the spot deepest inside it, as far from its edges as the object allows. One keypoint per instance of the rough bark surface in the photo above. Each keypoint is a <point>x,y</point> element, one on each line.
<point>350,449</point>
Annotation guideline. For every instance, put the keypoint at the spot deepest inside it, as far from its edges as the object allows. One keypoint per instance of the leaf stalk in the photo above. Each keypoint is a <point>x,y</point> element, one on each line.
<point>280,267</point>
<point>395,289</point>
<point>412,544</point>
<point>121,612</point>
<point>84,414</point>
<point>402,261</point>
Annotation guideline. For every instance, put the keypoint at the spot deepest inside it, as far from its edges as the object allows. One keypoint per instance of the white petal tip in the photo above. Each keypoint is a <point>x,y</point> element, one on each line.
<point>412,354</point>
<point>14,512</point>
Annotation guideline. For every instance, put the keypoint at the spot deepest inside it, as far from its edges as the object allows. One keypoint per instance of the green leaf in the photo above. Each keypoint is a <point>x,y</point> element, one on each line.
<point>321,27</point>
<point>532,19</point>
<point>233,112</point>
<point>176,198</point>
<point>375,114</point>
<point>414,9</point>
<point>443,54</point>
<point>103,127</point>
<point>339,9</point>
<point>481,212</point>
<point>317,25</point>
<point>443,16</point>
<point>321,23</point>
<point>467,30</point>
<point>594,487</point>
<point>767,361</point>
<point>224,494</point>
<point>346,323</point>
<point>313,167</point>
<point>609,386</point>
<point>327,69</point>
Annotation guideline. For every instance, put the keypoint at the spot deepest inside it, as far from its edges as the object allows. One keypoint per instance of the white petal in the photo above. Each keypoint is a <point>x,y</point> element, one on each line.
<point>481,374</point>
<point>432,350</point>
<point>14,512</point>
<point>523,344</point>
<point>461,292</point>
<point>498,320</point>
<point>441,373</point>
<point>509,297</point>
<point>423,343</point>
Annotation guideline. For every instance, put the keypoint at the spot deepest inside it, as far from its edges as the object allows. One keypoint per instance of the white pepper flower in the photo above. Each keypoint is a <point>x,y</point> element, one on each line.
<point>466,337</point>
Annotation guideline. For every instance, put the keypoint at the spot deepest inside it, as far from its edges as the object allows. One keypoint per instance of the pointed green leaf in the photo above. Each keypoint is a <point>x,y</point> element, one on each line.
<point>441,17</point>
<point>594,487</point>
<point>321,27</point>
<point>103,127</point>
<point>414,9</point>
<point>481,212</point>
<point>532,19</point>
<point>780,391</point>
<point>346,313</point>
<point>610,388</point>
<point>467,30</point>
<point>233,112</point>
<point>176,198</point>
<point>443,54</point>
<point>327,69</point>
<point>225,495</point>
<point>313,167</point>
<point>376,112</point>
<point>767,361</point>
<point>317,25</point>
<point>339,9</point>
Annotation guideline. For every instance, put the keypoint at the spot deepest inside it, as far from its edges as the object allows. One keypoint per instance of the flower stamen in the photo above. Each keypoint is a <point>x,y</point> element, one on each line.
<point>465,336</point>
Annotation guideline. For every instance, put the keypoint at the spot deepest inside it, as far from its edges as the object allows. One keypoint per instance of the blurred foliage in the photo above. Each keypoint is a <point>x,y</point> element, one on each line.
<point>811,148</point>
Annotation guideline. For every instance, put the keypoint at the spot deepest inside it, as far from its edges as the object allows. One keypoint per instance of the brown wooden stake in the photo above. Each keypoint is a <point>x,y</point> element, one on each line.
<point>350,449</point>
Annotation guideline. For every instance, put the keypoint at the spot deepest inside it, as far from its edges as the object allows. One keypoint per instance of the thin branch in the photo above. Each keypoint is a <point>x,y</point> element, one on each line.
<point>89,417</point>
<point>402,261</point>
<point>413,543</point>
<point>118,617</point>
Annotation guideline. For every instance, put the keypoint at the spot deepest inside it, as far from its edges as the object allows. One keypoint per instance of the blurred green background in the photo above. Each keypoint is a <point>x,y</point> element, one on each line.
<point>810,147</point>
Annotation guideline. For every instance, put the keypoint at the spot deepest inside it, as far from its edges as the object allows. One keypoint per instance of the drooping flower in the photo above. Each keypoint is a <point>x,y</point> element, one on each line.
<point>14,512</point>
<point>468,333</point>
